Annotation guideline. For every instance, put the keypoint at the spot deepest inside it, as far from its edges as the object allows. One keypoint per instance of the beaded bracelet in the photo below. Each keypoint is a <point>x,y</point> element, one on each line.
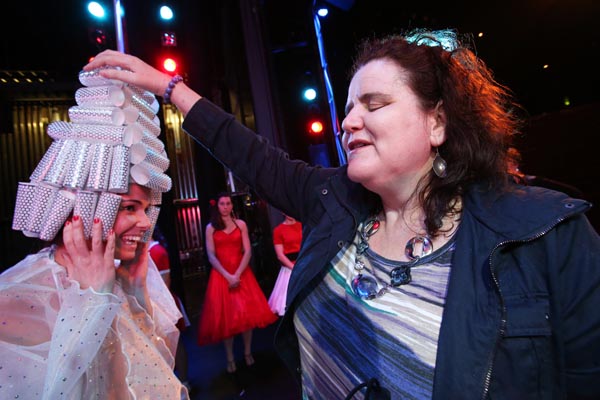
<point>174,81</point>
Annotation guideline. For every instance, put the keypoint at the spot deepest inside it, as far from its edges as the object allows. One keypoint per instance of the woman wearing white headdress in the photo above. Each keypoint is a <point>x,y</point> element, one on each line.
<point>89,316</point>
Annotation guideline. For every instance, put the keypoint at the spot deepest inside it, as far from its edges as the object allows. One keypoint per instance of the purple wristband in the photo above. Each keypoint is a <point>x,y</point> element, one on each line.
<point>174,81</point>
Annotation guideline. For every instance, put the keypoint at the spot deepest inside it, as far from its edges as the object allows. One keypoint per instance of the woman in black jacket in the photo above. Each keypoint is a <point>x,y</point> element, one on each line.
<point>424,272</point>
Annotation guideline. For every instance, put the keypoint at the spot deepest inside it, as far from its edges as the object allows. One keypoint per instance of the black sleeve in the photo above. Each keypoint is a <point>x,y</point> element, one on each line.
<point>288,185</point>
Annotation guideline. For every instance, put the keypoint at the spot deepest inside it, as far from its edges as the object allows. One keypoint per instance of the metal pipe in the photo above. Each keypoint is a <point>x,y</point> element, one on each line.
<point>330,100</point>
<point>119,32</point>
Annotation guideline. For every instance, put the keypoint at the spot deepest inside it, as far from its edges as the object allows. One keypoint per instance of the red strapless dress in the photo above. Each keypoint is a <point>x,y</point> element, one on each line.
<point>227,312</point>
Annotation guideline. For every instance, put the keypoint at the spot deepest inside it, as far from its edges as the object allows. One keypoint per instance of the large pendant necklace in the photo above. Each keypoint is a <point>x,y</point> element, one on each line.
<point>367,286</point>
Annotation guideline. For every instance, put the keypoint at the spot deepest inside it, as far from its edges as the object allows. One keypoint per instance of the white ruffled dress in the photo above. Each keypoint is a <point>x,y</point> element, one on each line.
<point>60,342</point>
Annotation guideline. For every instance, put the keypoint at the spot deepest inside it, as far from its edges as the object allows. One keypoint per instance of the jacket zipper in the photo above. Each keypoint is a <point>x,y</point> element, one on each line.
<point>502,329</point>
<point>490,363</point>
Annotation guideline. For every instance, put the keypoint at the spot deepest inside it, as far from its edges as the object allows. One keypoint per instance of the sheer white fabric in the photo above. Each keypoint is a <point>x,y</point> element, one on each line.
<point>60,342</point>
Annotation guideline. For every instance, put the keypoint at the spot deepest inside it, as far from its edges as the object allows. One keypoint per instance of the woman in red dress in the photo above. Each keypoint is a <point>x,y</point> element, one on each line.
<point>234,302</point>
<point>287,239</point>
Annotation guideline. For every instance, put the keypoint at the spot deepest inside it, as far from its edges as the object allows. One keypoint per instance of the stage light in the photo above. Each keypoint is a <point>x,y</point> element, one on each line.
<point>322,12</point>
<point>99,37</point>
<point>309,94</point>
<point>169,64</point>
<point>96,9</point>
<point>315,127</point>
<point>169,39</point>
<point>166,13</point>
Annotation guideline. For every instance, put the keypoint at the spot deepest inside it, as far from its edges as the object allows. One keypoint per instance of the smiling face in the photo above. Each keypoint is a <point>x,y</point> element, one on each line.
<point>388,137</point>
<point>131,222</point>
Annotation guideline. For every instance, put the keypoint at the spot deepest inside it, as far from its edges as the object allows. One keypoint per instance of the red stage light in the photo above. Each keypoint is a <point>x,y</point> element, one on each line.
<point>315,127</point>
<point>169,64</point>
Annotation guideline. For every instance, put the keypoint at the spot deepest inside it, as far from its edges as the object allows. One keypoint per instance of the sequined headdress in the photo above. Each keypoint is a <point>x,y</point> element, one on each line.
<point>110,141</point>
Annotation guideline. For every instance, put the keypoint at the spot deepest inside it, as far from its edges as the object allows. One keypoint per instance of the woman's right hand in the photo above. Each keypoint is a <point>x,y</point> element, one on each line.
<point>93,267</point>
<point>132,70</point>
<point>233,280</point>
<point>136,72</point>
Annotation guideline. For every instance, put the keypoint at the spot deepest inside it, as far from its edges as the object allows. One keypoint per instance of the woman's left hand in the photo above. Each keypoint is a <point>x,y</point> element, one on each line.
<point>133,273</point>
<point>234,281</point>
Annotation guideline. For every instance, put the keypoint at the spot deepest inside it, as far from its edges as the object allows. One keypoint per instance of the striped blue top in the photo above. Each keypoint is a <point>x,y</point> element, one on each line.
<point>345,340</point>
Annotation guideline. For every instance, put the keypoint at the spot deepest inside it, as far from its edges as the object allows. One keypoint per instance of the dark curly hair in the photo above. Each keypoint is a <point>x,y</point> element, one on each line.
<point>481,115</point>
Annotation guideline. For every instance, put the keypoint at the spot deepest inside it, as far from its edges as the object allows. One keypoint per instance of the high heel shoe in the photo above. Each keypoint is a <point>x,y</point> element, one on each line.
<point>249,359</point>
<point>231,368</point>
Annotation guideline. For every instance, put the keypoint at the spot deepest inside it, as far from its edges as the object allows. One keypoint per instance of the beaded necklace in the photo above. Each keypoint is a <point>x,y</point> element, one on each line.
<point>366,286</point>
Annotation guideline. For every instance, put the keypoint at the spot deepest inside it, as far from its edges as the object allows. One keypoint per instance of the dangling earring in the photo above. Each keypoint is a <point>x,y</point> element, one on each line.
<point>439,164</point>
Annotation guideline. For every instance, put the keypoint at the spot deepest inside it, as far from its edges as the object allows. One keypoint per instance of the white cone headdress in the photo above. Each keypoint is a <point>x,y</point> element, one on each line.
<point>110,141</point>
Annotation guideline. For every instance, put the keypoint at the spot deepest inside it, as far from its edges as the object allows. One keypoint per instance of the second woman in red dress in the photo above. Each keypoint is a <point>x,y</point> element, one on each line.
<point>234,302</point>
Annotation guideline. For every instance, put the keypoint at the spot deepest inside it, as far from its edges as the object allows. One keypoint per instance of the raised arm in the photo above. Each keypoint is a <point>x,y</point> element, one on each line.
<point>249,156</point>
<point>56,313</point>
<point>138,73</point>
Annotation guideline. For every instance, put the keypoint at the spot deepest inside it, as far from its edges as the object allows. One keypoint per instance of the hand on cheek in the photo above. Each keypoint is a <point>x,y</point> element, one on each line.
<point>92,267</point>
<point>133,273</point>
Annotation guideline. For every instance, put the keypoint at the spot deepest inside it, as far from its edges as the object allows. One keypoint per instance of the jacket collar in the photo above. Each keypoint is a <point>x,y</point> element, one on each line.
<point>508,212</point>
<point>511,214</point>
<point>359,201</point>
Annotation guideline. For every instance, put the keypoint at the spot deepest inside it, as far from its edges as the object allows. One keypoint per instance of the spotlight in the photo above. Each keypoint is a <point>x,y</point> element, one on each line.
<point>322,12</point>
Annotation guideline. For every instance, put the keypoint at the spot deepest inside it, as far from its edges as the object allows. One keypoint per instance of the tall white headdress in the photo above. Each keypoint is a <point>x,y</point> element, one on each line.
<point>110,141</point>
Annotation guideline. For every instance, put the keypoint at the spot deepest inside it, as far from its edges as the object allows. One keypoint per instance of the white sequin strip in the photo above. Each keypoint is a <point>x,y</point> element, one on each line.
<point>23,205</point>
<point>62,206</point>
<point>93,78</point>
<point>153,142</point>
<point>155,197</point>
<point>58,169</point>
<point>106,211</point>
<point>133,116</point>
<point>46,162</point>
<point>100,169</point>
<point>79,167</point>
<point>152,214</point>
<point>43,197</point>
<point>147,96</point>
<point>119,171</point>
<point>148,155</point>
<point>85,207</point>
<point>132,99</point>
<point>99,133</point>
<point>99,115</point>
<point>100,96</point>
<point>147,175</point>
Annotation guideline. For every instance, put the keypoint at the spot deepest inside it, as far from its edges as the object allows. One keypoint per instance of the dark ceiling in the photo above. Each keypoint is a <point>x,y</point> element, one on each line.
<point>520,36</point>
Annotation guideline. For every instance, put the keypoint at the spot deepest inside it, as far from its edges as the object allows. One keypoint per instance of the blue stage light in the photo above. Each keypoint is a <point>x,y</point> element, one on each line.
<point>166,13</point>
<point>322,12</point>
<point>310,94</point>
<point>96,9</point>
